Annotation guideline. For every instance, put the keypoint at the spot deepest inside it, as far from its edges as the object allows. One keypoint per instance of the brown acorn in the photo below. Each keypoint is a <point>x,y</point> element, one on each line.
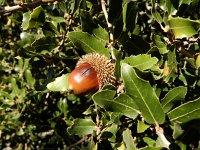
<point>92,72</point>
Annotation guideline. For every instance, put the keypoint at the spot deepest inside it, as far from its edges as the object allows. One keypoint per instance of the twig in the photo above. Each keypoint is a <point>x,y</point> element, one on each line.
<point>77,143</point>
<point>9,9</point>
<point>110,27</point>
<point>160,133</point>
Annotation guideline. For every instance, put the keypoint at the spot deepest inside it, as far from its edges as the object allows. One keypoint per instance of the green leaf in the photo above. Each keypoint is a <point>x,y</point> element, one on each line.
<point>122,104</point>
<point>149,141</point>
<point>130,15</point>
<point>88,43</point>
<point>174,95</point>
<point>59,84</point>
<point>62,105</point>
<point>110,132</point>
<point>182,27</point>
<point>29,78</point>
<point>2,2</point>
<point>141,126</point>
<point>33,19</point>
<point>128,140</point>
<point>101,34</point>
<point>160,44</point>
<point>82,127</point>
<point>156,15</point>
<point>25,20</point>
<point>142,62</point>
<point>118,56</point>
<point>177,130</point>
<point>170,66</point>
<point>197,61</point>
<point>143,95</point>
<point>185,112</point>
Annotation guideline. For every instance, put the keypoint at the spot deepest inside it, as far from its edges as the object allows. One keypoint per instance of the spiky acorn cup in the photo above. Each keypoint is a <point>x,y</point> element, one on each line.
<point>92,72</point>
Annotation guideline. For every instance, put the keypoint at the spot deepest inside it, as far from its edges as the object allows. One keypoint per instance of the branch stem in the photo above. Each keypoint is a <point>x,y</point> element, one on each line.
<point>9,9</point>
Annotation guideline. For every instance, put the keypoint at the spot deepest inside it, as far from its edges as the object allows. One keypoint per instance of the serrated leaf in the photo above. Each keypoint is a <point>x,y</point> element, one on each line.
<point>122,104</point>
<point>82,127</point>
<point>182,27</point>
<point>88,43</point>
<point>128,140</point>
<point>143,95</point>
<point>59,84</point>
<point>174,95</point>
<point>142,62</point>
<point>185,112</point>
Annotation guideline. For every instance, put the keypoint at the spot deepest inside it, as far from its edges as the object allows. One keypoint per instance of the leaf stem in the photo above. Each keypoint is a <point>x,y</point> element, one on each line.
<point>160,133</point>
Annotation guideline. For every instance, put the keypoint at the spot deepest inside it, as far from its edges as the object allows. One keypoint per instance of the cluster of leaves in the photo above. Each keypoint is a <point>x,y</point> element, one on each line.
<point>156,51</point>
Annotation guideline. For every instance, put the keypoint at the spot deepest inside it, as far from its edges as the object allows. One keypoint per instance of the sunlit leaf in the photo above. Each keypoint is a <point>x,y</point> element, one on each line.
<point>59,84</point>
<point>182,27</point>
<point>122,104</point>
<point>82,127</point>
<point>88,43</point>
<point>33,19</point>
<point>143,95</point>
<point>141,62</point>
<point>185,112</point>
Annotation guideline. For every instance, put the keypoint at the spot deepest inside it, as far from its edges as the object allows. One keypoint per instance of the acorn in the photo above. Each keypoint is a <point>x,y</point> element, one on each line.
<point>92,72</point>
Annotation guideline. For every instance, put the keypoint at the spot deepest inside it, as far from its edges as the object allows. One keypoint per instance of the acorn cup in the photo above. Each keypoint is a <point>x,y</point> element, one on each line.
<point>92,72</point>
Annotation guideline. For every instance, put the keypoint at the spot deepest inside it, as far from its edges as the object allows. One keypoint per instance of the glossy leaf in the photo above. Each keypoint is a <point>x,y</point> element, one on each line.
<point>182,27</point>
<point>88,43</point>
<point>185,112</point>
<point>142,62</point>
<point>174,95</point>
<point>143,95</point>
<point>122,104</point>
<point>59,84</point>
<point>82,127</point>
